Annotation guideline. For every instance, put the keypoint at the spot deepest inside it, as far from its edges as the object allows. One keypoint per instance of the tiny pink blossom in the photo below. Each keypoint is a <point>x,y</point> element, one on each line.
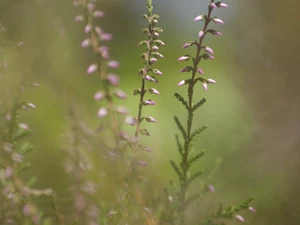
<point>88,28</point>
<point>222,5</point>
<point>185,69</point>
<point>154,91</point>
<point>217,20</point>
<point>76,3</point>
<point>142,163</point>
<point>30,105</point>
<point>106,37</point>
<point>211,188</point>
<point>155,48</point>
<point>121,94</point>
<point>24,126</point>
<point>113,79</point>
<point>150,119</point>
<point>91,6</point>
<point>240,218</point>
<point>113,64</point>
<point>27,210</point>
<point>98,14</point>
<point>170,199</point>
<point>102,112</point>
<point>92,68</point>
<point>212,5</point>
<point>201,33</point>
<point>122,110</point>
<point>85,43</point>
<point>199,70</point>
<point>149,102</point>
<point>199,18</point>
<point>156,71</point>
<point>186,45</point>
<point>99,30</point>
<point>183,58</point>
<point>153,60</point>
<point>181,83</point>
<point>79,18</point>
<point>211,81</point>
<point>252,209</point>
<point>130,120</point>
<point>99,95</point>
<point>209,50</point>
<point>204,85</point>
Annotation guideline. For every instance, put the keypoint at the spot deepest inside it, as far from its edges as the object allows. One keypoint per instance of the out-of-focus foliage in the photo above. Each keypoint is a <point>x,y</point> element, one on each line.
<point>252,113</point>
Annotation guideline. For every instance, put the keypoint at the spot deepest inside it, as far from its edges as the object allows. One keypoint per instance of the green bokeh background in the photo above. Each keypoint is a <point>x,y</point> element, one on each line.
<point>252,113</point>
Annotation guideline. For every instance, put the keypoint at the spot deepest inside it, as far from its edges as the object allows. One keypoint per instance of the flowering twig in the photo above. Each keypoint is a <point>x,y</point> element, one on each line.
<point>150,57</point>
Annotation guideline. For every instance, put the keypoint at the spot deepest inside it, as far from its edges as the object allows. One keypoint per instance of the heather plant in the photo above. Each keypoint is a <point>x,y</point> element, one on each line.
<point>189,156</point>
<point>17,200</point>
<point>119,193</point>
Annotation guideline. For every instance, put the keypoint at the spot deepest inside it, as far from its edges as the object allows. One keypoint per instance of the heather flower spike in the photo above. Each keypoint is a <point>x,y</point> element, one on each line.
<point>150,57</point>
<point>189,137</point>
<point>96,37</point>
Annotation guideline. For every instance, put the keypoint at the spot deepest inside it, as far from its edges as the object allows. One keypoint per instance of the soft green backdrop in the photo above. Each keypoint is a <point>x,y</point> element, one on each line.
<point>252,113</point>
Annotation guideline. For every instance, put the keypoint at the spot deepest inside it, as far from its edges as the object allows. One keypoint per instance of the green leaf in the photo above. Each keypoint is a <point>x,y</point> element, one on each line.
<point>198,104</point>
<point>193,177</point>
<point>25,148</point>
<point>179,146</point>
<point>177,170</point>
<point>195,158</point>
<point>181,99</point>
<point>195,135</point>
<point>180,127</point>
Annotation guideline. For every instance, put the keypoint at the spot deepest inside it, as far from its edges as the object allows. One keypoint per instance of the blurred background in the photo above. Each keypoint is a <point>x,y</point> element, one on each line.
<point>252,113</point>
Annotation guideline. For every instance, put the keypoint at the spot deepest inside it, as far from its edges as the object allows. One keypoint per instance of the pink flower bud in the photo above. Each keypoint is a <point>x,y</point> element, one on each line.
<point>201,33</point>
<point>92,68</point>
<point>24,126</point>
<point>183,58</point>
<point>221,5</point>
<point>106,37</point>
<point>99,30</point>
<point>121,94</point>
<point>212,5</point>
<point>209,50</point>
<point>199,70</point>
<point>130,120</point>
<point>85,43</point>
<point>240,218</point>
<point>211,81</point>
<point>149,102</point>
<point>113,64</point>
<point>150,119</point>
<point>199,18</point>
<point>113,79</point>
<point>154,91</point>
<point>181,83</point>
<point>211,188</point>
<point>98,14</point>
<point>204,85</point>
<point>88,28</point>
<point>156,71</point>
<point>122,110</point>
<point>153,60</point>
<point>99,95</point>
<point>91,6</point>
<point>217,20</point>
<point>79,18</point>
<point>155,48</point>
<point>142,163</point>
<point>252,209</point>
<point>31,106</point>
<point>102,112</point>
